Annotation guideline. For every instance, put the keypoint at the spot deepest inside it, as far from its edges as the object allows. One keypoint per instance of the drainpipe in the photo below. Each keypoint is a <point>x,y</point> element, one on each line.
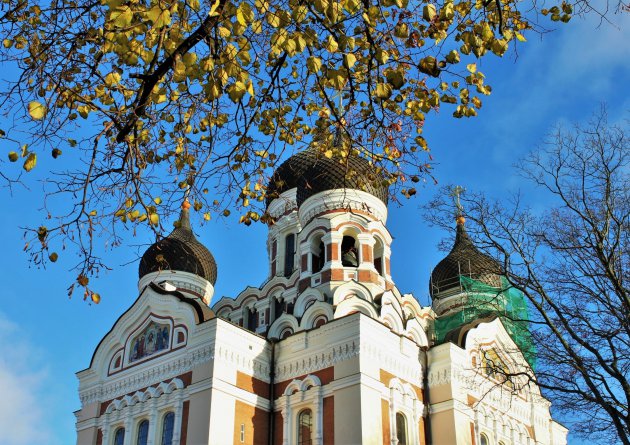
<point>425,394</point>
<point>271,392</point>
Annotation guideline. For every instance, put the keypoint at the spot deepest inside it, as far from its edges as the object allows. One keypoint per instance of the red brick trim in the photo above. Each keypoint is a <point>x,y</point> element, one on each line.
<point>184,431</point>
<point>325,376</point>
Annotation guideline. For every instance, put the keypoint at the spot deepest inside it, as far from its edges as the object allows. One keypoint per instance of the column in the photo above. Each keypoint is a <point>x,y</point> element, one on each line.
<point>318,410</point>
<point>177,421</point>
<point>153,419</point>
<point>128,424</point>
<point>105,429</point>
<point>286,417</point>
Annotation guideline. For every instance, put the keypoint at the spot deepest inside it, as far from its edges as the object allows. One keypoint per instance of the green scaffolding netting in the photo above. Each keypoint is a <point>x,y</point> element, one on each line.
<point>483,301</point>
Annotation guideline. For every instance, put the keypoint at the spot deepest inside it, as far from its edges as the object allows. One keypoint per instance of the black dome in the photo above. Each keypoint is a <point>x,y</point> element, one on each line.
<point>352,172</point>
<point>311,173</point>
<point>464,260</point>
<point>180,251</point>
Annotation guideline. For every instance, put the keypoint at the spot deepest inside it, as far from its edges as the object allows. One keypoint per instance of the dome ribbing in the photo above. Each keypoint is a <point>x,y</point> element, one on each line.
<point>465,260</point>
<point>180,251</point>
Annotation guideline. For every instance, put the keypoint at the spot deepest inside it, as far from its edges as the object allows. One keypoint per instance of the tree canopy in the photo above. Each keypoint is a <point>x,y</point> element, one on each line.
<point>162,97</point>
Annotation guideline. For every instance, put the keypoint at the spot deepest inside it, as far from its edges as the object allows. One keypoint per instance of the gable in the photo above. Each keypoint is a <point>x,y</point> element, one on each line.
<point>157,323</point>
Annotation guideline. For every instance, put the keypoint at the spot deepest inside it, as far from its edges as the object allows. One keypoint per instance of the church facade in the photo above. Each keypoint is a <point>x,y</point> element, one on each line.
<point>328,350</point>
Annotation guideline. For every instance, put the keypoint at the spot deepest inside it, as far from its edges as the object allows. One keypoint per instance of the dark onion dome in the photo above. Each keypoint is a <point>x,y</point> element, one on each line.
<point>353,172</point>
<point>180,251</point>
<point>290,171</point>
<point>464,260</point>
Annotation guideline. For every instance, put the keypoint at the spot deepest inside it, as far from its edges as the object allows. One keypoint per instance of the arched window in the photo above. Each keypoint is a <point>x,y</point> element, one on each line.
<point>143,432</point>
<point>318,254</point>
<point>349,253</point>
<point>119,436</point>
<point>401,429</point>
<point>305,427</point>
<point>378,257</point>
<point>289,254</point>
<point>167,428</point>
<point>483,440</point>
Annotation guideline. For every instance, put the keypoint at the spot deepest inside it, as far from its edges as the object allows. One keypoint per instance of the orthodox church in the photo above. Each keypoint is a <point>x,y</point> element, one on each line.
<point>327,350</point>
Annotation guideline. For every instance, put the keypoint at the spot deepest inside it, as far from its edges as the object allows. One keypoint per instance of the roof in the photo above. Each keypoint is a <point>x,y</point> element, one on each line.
<point>464,259</point>
<point>312,173</point>
<point>180,251</point>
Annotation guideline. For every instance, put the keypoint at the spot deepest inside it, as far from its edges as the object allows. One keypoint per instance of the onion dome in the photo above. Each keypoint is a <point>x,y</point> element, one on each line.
<point>353,172</point>
<point>312,173</point>
<point>464,260</point>
<point>180,251</point>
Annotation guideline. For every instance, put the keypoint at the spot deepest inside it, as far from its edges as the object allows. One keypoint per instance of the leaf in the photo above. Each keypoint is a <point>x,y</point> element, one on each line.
<point>160,17</point>
<point>36,110</point>
<point>244,14</point>
<point>428,12</point>
<point>83,280</point>
<point>236,91</point>
<point>154,219</point>
<point>472,67</point>
<point>157,200</point>
<point>314,64</point>
<point>331,44</point>
<point>30,162</point>
<point>213,9</point>
<point>520,37</point>
<point>121,16</point>
<point>383,91</point>
<point>56,153</point>
<point>53,257</point>
<point>382,56</point>
<point>350,59</point>
<point>13,156</point>
<point>112,79</point>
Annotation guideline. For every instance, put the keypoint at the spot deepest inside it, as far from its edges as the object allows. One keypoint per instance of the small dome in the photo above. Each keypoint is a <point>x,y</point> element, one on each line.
<point>330,174</point>
<point>180,251</point>
<point>464,260</point>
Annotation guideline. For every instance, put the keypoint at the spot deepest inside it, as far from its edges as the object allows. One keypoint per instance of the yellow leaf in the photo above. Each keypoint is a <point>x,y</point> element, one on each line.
<point>154,219</point>
<point>382,56</point>
<point>7,43</point>
<point>121,16</point>
<point>213,9</point>
<point>112,79</point>
<point>236,91</point>
<point>314,64</point>
<point>472,67</point>
<point>428,12</point>
<point>350,59</point>
<point>520,37</point>
<point>158,16</point>
<point>157,200</point>
<point>30,162</point>
<point>13,156</point>
<point>83,110</point>
<point>37,110</point>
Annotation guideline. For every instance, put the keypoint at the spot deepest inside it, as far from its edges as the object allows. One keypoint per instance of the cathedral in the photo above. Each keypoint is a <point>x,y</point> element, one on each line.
<point>327,350</point>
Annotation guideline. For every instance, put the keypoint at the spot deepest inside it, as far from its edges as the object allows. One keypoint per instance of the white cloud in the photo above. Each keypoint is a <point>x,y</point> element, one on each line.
<point>22,385</point>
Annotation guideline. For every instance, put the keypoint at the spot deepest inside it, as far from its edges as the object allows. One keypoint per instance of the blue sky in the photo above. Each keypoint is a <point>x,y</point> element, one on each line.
<point>46,337</point>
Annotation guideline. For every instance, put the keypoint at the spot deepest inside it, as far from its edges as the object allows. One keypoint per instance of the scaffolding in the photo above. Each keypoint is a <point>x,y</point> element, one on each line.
<point>484,301</point>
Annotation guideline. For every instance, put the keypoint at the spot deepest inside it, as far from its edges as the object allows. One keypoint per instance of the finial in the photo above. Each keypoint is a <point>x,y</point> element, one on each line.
<point>459,209</point>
